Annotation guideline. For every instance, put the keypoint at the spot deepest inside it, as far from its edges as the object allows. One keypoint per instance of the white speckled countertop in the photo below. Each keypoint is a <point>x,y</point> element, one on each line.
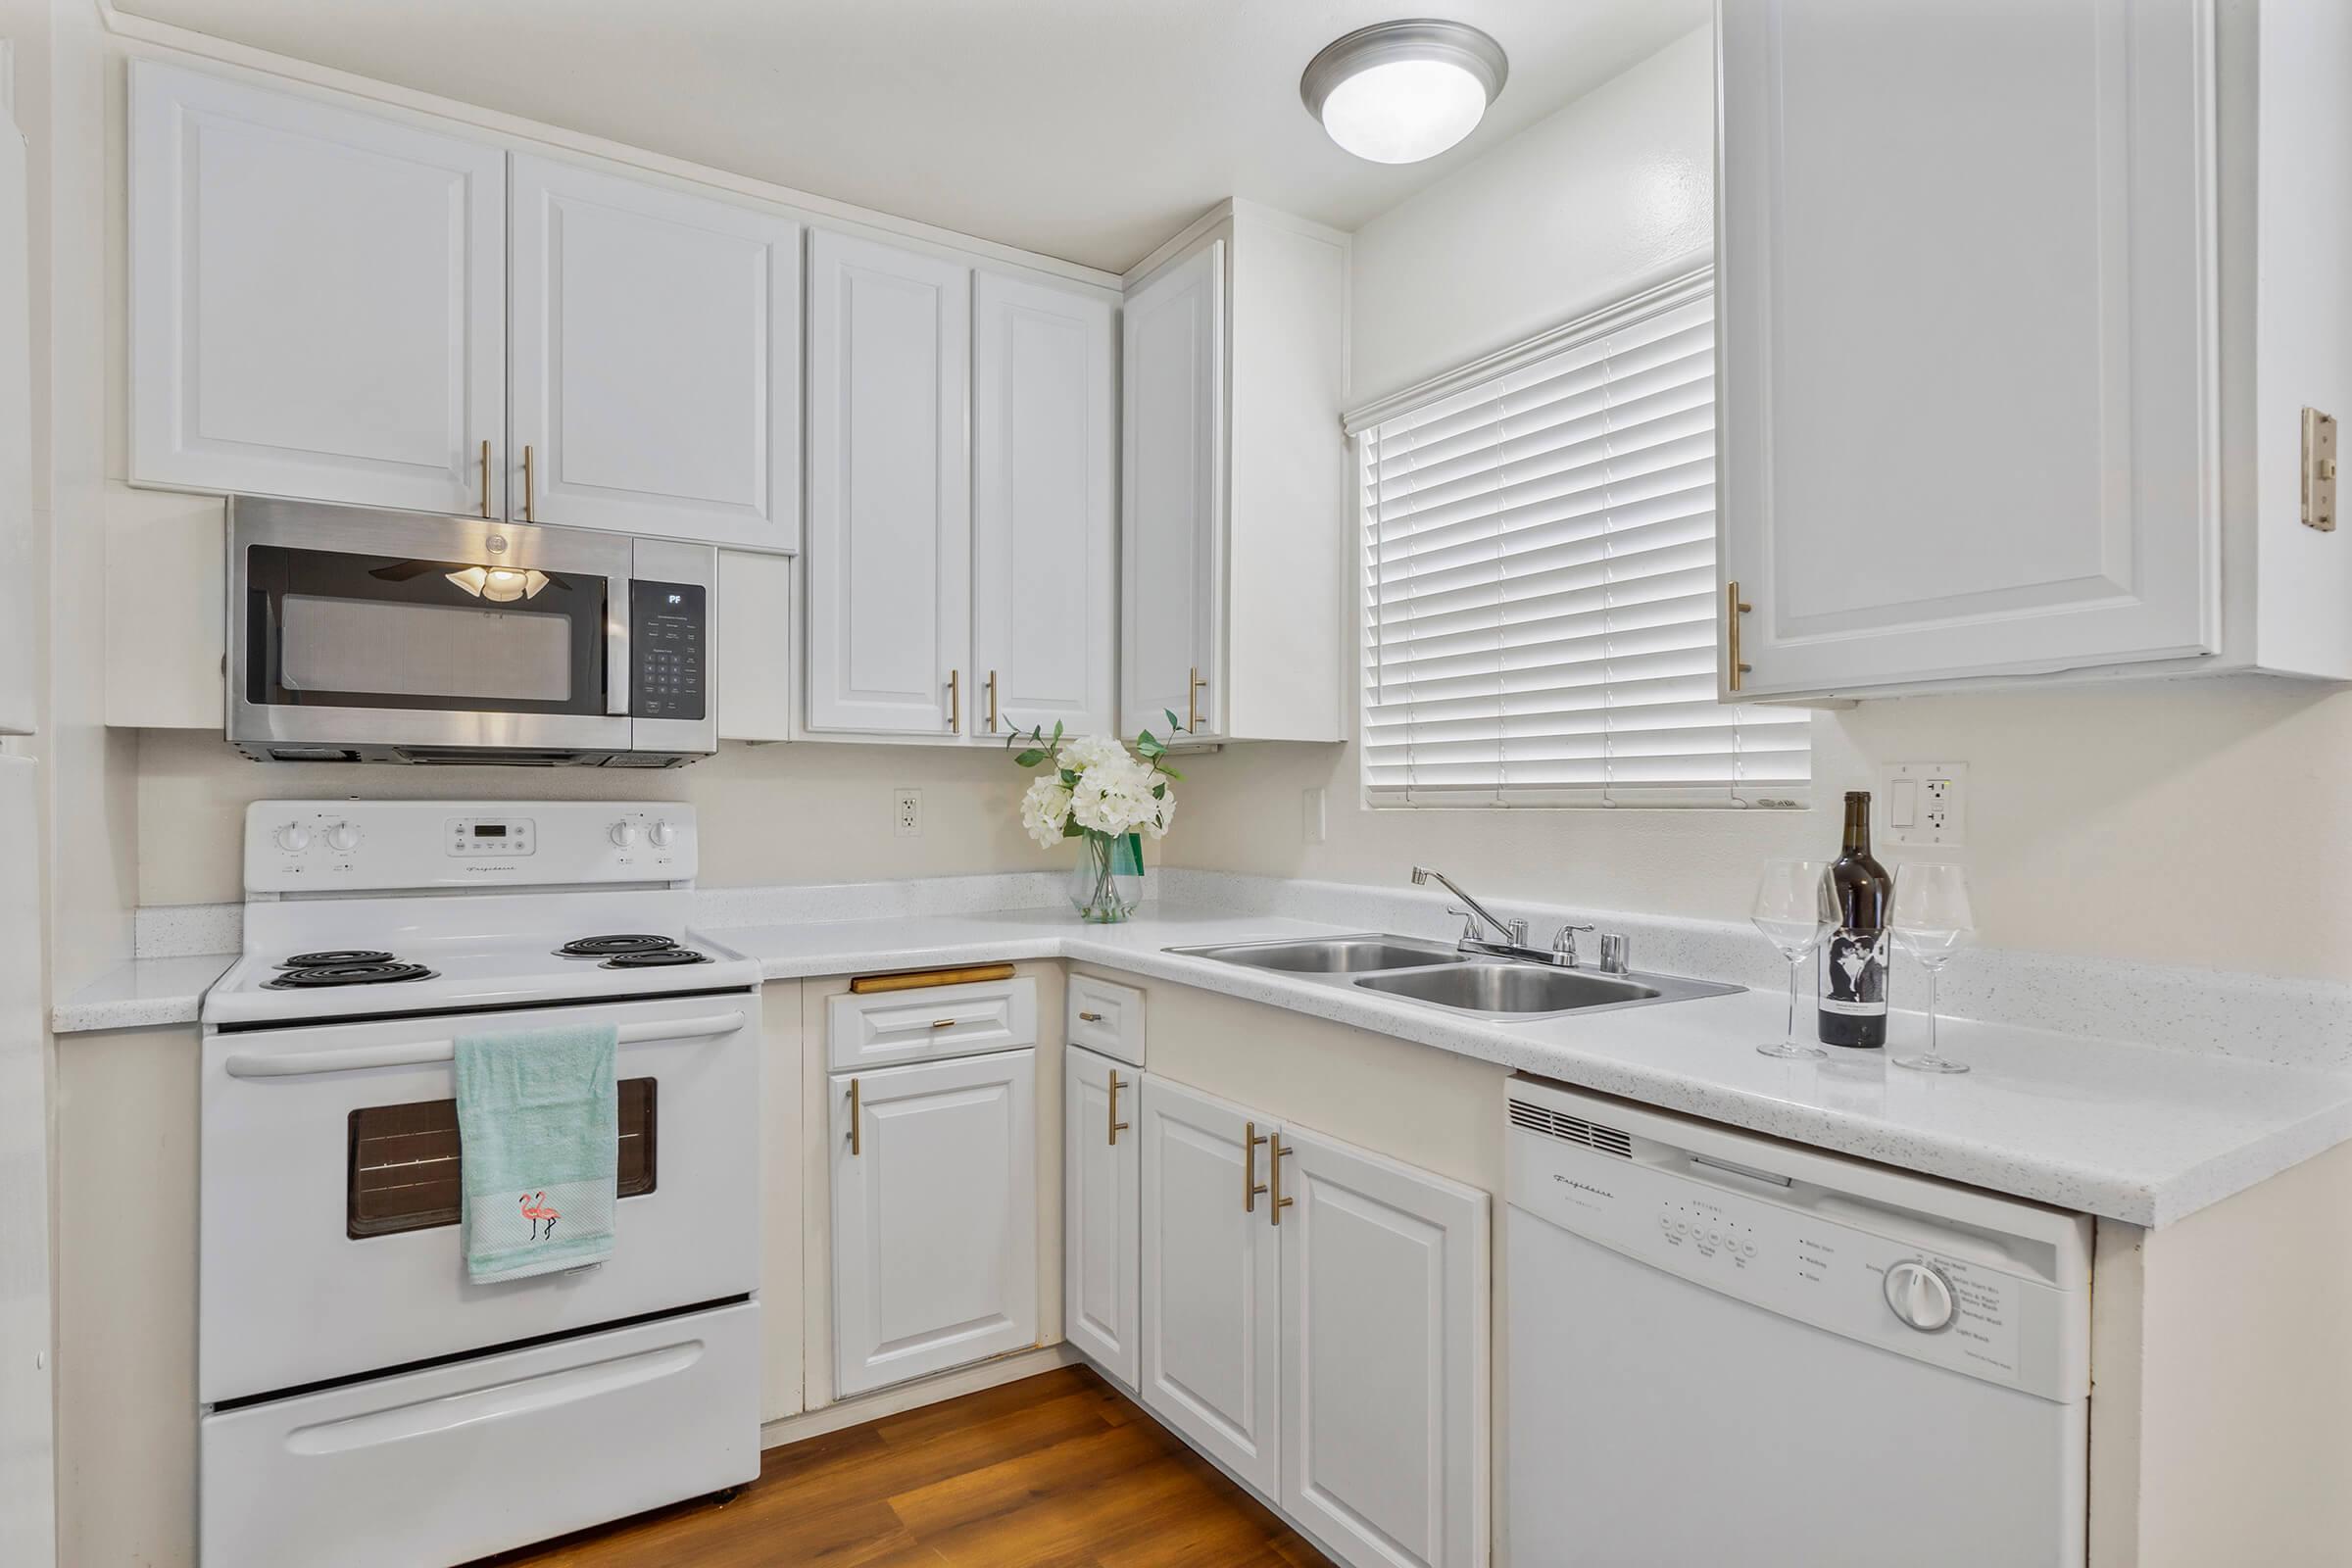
<point>2137,1133</point>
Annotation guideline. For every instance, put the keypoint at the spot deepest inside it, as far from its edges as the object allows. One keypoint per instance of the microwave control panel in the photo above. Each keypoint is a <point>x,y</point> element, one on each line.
<point>669,637</point>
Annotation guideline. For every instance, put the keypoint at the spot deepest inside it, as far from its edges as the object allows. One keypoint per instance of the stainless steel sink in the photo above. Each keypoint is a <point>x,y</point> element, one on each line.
<point>1352,955</point>
<point>1515,990</point>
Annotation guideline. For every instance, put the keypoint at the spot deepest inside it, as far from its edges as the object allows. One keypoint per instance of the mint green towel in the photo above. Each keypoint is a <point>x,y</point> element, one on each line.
<point>539,1149</point>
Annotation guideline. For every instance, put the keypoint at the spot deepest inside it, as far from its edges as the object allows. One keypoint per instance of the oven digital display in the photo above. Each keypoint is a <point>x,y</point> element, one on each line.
<point>489,830</point>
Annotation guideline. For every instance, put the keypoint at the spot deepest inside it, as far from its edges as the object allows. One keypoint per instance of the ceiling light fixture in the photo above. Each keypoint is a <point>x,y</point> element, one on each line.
<point>1397,92</point>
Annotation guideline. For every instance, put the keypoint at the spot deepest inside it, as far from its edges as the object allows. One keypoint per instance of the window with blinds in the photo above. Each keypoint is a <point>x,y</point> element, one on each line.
<point>1541,607</point>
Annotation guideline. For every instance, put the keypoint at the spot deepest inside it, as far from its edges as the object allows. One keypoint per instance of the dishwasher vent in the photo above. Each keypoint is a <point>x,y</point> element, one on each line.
<point>1571,1129</point>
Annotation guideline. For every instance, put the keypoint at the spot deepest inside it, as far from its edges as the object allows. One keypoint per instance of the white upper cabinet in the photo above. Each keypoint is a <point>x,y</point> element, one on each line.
<point>1973,318</point>
<point>1236,516</point>
<point>656,359</point>
<point>1045,519</point>
<point>317,298</point>
<point>890,522</point>
<point>1174,480</point>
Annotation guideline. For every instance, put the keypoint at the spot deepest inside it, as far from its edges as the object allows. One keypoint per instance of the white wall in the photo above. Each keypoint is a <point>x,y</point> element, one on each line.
<point>2182,821</point>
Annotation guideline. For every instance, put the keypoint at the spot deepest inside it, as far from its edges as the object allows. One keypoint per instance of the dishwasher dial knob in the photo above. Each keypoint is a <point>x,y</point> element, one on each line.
<point>343,838</point>
<point>293,838</point>
<point>1920,1296</point>
<point>624,834</point>
<point>661,834</point>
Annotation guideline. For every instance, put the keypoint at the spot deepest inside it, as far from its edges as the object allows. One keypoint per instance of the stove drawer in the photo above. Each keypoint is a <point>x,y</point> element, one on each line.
<point>887,1027</point>
<point>458,1461</point>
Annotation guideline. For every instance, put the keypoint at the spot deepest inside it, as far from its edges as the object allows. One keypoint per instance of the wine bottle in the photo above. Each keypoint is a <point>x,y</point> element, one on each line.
<point>1853,960</point>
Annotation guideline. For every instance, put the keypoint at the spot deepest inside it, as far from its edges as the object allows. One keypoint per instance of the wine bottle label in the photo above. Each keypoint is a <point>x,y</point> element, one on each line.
<point>1853,975</point>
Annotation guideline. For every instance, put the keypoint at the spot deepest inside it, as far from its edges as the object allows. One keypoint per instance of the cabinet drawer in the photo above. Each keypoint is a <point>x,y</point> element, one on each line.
<point>1106,1017</point>
<point>893,1026</point>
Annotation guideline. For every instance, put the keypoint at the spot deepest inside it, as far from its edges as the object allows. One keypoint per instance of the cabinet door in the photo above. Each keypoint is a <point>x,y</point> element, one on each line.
<point>1102,1166</point>
<point>1384,1357</point>
<point>890,525</point>
<point>655,362</point>
<point>934,1217</point>
<point>1967,352</point>
<point>1211,1325</point>
<point>1174,475</point>
<point>1044,529</point>
<point>317,298</point>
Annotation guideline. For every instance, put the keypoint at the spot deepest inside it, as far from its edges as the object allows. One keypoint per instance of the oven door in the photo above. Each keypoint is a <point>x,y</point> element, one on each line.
<point>379,631</point>
<point>329,1192</point>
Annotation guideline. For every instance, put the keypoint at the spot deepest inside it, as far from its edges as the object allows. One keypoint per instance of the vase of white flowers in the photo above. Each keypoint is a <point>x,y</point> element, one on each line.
<point>1097,791</point>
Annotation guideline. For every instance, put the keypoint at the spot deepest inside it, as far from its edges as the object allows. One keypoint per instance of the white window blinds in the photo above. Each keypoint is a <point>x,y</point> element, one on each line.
<point>1540,606</point>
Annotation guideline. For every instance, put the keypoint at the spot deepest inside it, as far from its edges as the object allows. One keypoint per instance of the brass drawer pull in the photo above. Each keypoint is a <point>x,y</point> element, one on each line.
<point>485,479</point>
<point>991,702</point>
<point>531,487</point>
<point>1192,701</point>
<point>955,702</point>
<point>1090,1017</point>
<point>1116,1126</point>
<point>1274,1170</point>
<point>856,1138</point>
<point>1733,607</point>
<point>1251,1185</point>
<point>943,1023</point>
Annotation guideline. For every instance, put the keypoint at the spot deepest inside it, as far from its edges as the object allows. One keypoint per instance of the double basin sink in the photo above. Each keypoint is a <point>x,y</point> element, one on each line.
<point>1437,975</point>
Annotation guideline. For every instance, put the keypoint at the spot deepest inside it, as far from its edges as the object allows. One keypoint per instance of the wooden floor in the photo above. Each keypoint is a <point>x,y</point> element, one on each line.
<point>1059,1471</point>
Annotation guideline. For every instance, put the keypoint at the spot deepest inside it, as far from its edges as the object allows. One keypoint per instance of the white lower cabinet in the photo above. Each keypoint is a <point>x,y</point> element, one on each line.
<point>1314,1319</point>
<point>1102,1169</point>
<point>934,1171</point>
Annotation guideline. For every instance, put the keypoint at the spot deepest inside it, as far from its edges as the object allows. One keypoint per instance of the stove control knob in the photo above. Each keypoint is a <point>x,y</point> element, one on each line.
<point>663,834</point>
<point>1920,1296</point>
<point>624,834</point>
<point>343,838</point>
<point>293,838</point>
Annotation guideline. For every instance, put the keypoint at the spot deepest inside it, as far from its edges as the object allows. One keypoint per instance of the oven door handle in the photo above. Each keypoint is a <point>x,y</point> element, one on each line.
<point>424,1052</point>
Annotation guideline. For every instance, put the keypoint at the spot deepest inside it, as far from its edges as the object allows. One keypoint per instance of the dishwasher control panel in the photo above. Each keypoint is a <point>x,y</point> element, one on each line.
<point>1936,1292</point>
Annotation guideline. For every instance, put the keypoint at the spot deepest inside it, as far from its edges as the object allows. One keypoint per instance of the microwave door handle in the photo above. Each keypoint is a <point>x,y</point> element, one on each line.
<point>425,1052</point>
<point>617,655</point>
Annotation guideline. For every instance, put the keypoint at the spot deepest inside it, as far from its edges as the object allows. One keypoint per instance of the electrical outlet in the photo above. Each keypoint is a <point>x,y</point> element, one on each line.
<point>1311,823</point>
<point>1925,804</point>
<point>908,814</point>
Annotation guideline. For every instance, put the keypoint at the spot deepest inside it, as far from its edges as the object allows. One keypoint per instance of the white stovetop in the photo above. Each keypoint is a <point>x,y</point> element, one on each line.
<point>2127,1132</point>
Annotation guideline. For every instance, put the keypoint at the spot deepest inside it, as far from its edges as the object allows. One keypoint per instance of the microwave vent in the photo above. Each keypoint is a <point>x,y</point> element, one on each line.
<point>1571,1129</point>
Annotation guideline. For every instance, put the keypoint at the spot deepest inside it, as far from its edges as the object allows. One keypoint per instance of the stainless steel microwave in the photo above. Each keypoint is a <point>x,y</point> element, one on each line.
<point>374,636</point>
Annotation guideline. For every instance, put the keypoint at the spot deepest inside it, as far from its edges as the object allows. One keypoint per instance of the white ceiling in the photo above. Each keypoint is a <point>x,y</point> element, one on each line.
<point>1087,129</point>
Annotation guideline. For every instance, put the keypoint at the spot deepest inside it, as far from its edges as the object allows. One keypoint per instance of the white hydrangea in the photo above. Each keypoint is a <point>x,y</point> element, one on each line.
<point>1113,798</point>
<point>1045,809</point>
<point>1093,751</point>
<point>1157,826</point>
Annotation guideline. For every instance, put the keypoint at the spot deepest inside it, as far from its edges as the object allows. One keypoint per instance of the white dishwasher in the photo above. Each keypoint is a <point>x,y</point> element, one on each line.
<point>1725,1348</point>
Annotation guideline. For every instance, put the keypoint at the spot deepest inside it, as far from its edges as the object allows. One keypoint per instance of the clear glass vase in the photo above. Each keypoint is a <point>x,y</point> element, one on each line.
<point>1108,881</point>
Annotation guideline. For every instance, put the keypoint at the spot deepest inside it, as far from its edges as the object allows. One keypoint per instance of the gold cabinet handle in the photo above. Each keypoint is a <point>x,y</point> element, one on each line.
<point>856,1131</point>
<point>955,702</point>
<point>531,487</point>
<point>1274,1172</point>
<point>1192,701</point>
<point>485,479</point>
<point>1733,607</point>
<point>1116,1126</point>
<point>1251,1185</point>
<point>1090,1017</point>
<point>943,1023</point>
<point>991,702</point>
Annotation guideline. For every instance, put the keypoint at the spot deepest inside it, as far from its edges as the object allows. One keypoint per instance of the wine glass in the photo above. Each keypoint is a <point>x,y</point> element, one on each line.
<point>1794,909</point>
<point>1931,921</point>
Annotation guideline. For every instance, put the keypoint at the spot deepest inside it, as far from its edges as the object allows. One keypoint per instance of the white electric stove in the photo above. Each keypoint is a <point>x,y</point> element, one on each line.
<point>362,1402</point>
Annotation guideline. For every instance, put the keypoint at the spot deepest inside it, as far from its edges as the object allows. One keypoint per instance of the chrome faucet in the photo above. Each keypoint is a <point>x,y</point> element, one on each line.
<point>1512,932</point>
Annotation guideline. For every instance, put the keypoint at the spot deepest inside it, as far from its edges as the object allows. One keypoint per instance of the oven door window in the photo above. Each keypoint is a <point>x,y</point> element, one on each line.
<point>402,1169</point>
<point>337,630</point>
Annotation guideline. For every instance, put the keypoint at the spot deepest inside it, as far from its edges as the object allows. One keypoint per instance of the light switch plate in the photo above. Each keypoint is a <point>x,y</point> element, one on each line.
<point>1311,823</point>
<point>1924,805</point>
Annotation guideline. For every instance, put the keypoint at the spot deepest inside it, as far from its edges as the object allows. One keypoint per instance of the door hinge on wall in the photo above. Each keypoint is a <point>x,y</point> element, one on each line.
<point>2319,471</point>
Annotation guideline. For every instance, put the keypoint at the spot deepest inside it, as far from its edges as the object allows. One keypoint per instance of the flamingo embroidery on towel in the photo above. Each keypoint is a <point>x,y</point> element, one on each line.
<point>536,1211</point>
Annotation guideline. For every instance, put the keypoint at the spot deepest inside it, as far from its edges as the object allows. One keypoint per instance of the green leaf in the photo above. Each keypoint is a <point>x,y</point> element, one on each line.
<point>1159,792</point>
<point>1071,829</point>
<point>1069,777</point>
<point>1030,758</point>
<point>1175,725</point>
<point>1057,731</point>
<point>1171,772</point>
